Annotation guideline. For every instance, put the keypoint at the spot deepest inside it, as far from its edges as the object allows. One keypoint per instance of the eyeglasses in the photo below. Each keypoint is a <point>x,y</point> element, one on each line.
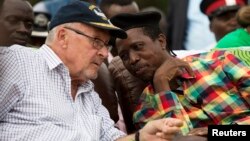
<point>97,43</point>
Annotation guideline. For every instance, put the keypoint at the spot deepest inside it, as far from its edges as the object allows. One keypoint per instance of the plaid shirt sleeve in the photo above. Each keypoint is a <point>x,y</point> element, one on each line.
<point>155,106</point>
<point>239,73</point>
<point>222,87</point>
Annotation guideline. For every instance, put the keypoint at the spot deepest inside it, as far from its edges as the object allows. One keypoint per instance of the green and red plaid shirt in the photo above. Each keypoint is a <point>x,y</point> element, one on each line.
<point>219,94</point>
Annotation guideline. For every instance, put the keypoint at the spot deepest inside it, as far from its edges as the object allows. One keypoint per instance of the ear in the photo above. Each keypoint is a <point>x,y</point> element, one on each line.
<point>248,29</point>
<point>162,40</point>
<point>62,37</point>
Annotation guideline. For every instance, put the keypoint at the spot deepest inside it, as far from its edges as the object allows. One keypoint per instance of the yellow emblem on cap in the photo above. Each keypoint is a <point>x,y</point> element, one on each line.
<point>98,12</point>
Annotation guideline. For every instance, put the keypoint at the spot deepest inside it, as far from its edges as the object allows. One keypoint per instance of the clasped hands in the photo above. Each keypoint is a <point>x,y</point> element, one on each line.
<point>161,130</point>
<point>168,129</point>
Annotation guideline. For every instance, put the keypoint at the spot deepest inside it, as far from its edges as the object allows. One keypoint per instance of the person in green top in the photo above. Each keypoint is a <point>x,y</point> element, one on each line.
<point>241,36</point>
<point>238,41</point>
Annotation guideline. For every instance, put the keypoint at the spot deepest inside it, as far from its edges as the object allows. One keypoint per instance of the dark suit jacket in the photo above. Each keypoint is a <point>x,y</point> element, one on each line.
<point>177,23</point>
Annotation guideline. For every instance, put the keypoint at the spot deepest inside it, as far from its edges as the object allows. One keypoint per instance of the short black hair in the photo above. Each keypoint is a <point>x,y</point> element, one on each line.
<point>107,3</point>
<point>153,32</point>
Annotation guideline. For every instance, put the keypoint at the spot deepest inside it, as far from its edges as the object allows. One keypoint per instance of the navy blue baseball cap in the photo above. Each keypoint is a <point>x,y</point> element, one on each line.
<point>83,12</point>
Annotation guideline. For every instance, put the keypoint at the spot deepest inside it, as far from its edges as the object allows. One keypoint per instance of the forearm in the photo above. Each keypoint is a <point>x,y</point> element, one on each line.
<point>163,102</point>
<point>161,84</point>
<point>161,105</point>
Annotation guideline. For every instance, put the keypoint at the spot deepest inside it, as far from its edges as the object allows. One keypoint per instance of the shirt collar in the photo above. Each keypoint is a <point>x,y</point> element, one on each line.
<point>86,87</point>
<point>51,58</point>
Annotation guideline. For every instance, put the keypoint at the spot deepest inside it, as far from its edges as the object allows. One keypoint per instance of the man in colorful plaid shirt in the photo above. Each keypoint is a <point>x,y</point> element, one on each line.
<point>203,89</point>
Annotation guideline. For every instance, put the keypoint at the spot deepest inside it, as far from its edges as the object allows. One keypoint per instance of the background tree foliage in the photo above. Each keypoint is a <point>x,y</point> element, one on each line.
<point>162,4</point>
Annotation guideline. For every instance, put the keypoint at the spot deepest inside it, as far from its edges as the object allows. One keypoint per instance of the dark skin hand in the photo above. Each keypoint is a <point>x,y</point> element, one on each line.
<point>202,131</point>
<point>168,71</point>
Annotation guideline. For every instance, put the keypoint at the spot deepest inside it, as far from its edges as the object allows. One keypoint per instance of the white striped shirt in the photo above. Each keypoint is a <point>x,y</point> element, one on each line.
<point>36,102</point>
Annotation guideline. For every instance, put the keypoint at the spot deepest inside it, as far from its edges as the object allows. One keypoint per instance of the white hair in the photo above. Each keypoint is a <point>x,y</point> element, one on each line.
<point>52,33</point>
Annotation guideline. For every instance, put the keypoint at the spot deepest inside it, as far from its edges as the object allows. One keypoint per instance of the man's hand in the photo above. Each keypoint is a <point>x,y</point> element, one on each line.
<point>160,130</point>
<point>202,131</point>
<point>170,69</point>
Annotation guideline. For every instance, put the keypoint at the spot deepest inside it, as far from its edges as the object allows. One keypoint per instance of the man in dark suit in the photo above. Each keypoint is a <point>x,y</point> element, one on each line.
<point>177,23</point>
